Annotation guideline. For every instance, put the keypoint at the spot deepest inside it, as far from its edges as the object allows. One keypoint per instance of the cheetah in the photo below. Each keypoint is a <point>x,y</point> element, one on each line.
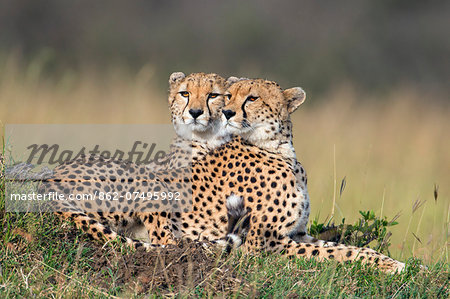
<point>195,103</point>
<point>255,106</point>
<point>273,135</point>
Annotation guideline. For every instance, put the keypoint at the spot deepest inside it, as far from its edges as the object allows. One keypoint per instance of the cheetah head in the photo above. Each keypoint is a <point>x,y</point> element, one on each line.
<point>196,103</point>
<point>259,110</point>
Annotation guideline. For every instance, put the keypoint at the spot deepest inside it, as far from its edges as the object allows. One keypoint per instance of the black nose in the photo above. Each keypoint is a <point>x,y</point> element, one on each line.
<point>195,112</point>
<point>228,113</point>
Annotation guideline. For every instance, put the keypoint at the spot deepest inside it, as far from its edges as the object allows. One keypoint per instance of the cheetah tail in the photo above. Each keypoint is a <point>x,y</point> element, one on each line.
<point>341,253</point>
<point>238,224</point>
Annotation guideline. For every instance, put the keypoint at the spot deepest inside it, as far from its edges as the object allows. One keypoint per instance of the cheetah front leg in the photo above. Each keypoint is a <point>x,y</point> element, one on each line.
<point>161,227</point>
<point>99,231</point>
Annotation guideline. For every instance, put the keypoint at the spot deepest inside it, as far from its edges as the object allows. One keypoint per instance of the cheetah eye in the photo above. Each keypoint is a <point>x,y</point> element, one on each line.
<point>252,98</point>
<point>213,95</point>
<point>184,94</point>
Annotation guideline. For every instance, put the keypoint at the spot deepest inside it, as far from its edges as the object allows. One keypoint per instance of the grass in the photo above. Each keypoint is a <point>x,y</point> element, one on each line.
<point>40,257</point>
<point>392,153</point>
<point>279,278</point>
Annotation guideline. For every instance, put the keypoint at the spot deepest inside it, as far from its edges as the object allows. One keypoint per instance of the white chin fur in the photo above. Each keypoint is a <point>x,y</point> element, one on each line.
<point>198,128</point>
<point>188,129</point>
<point>200,124</point>
<point>231,127</point>
<point>212,133</point>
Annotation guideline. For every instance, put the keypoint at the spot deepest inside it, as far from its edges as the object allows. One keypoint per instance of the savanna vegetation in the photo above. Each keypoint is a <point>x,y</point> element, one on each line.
<point>388,159</point>
<point>373,135</point>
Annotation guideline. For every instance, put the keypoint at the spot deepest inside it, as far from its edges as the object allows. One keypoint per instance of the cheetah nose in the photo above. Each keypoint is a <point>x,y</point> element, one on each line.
<point>228,113</point>
<point>195,112</point>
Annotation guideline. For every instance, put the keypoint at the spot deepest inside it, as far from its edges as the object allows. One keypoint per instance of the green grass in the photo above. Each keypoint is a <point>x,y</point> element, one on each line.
<point>278,277</point>
<point>42,257</point>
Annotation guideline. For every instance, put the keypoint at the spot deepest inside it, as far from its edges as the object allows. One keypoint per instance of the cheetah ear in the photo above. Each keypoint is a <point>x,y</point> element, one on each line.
<point>177,76</point>
<point>231,80</point>
<point>294,97</point>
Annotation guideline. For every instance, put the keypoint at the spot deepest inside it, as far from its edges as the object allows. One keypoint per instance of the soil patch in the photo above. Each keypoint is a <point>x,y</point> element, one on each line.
<point>178,269</point>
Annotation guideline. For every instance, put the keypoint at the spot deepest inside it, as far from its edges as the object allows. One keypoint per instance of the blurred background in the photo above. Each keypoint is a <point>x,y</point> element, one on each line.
<point>376,74</point>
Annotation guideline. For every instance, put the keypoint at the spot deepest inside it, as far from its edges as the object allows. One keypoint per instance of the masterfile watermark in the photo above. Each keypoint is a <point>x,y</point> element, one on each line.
<point>141,152</point>
<point>96,168</point>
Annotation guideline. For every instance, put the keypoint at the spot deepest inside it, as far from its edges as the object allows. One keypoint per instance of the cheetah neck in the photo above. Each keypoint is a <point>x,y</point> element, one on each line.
<point>212,138</point>
<point>279,143</point>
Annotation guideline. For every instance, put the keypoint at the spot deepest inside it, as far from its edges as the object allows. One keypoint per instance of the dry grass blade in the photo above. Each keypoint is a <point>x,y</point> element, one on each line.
<point>395,218</point>
<point>343,184</point>
<point>417,204</point>
<point>436,192</point>
<point>417,238</point>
